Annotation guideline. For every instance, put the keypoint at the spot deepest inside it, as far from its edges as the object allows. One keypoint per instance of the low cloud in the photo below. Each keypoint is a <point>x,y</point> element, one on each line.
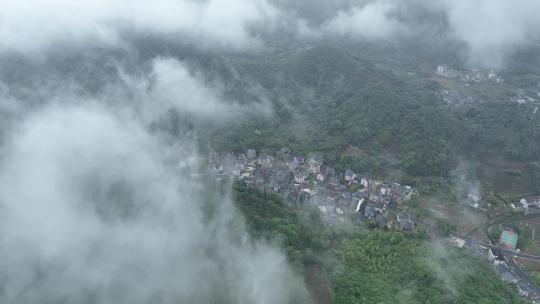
<point>92,212</point>
<point>467,186</point>
<point>492,29</point>
<point>171,85</point>
<point>43,25</point>
<point>372,21</point>
<point>147,89</point>
<point>94,209</point>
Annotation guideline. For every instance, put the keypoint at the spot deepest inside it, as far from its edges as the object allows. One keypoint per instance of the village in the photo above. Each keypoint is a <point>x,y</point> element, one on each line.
<point>503,253</point>
<point>504,258</point>
<point>472,76</point>
<point>453,98</point>
<point>307,181</point>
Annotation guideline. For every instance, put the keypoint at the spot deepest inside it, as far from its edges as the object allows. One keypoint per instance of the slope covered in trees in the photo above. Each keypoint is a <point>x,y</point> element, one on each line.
<point>372,266</point>
<point>331,98</point>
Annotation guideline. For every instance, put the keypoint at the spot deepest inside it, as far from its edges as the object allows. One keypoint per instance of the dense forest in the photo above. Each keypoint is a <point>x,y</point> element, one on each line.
<point>371,265</point>
<point>375,116</point>
<point>375,108</point>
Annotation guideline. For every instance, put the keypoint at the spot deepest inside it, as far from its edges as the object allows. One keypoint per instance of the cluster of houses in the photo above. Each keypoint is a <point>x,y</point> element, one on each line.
<point>522,97</point>
<point>471,76</point>
<point>500,265</point>
<point>307,181</point>
<point>504,265</point>
<point>474,202</point>
<point>530,203</point>
<point>453,99</point>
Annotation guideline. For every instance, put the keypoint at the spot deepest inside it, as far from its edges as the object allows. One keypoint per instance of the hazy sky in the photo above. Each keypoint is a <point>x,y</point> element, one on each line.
<point>92,213</point>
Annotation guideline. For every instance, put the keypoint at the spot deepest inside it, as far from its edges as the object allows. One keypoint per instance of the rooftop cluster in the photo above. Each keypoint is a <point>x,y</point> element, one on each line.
<point>306,180</point>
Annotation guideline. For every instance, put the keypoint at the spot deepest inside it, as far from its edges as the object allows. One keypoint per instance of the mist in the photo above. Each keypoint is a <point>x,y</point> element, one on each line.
<point>38,26</point>
<point>466,184</point>
<point>368,22</point>
<point>93,213</point>
<point>93,205</point>
<point>489,31</point>
<point>493,29</point>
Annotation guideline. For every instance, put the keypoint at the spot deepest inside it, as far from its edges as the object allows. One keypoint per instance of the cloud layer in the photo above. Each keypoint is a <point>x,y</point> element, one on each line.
<point>32,27</point>
<point>171,84</point>
<point>371,21</point>
<point>490,29</point>
<point>91,213</point>
<point>92,208</point>
<point>493,28</point>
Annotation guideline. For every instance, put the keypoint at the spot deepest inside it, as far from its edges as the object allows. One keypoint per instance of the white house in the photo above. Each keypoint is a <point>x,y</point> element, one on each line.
<point>314,165</point>
<point>300,177</point>
<point>456,242</point>
<point>443,68</point>
<point>365,182</point>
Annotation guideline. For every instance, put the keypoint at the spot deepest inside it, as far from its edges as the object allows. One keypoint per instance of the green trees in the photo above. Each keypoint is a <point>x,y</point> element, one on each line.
<point>373,266</point>
<point>391,267</point>
<point>535,275</point>
<point>328,98</point>
<point>534,172</point>
<point>445,227</point>
<point>376,267</point>
<point>300,234</point>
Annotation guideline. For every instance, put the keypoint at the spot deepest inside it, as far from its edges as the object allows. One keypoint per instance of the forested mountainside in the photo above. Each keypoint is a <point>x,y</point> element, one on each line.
<point>369,265</point>
<point>380,116</point>
<point>269,151</point>
<point>377,107</point>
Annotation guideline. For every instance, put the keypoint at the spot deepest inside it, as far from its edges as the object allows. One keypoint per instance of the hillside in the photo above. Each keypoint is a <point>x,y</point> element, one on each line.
<point>381,118</point>
<point>364,265</point>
